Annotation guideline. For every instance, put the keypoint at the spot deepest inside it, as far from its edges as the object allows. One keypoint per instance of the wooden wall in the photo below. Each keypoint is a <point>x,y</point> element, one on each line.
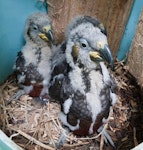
<point>135,58</point>
<point>112,13</point>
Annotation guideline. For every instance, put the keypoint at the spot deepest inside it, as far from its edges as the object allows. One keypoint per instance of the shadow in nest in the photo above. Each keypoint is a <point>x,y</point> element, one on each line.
<point>130,132</point>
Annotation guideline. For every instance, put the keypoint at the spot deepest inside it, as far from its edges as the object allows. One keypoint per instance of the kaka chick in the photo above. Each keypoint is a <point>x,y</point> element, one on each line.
<point>33,62</point>
<point>80,79</point>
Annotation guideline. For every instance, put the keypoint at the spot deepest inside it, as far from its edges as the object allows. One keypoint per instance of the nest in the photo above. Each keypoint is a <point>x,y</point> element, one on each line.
<point>33,126</point>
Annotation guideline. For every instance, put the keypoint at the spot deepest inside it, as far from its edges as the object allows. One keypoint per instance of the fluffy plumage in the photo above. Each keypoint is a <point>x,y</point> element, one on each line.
<point>80,79</point>
<point>33,64</point>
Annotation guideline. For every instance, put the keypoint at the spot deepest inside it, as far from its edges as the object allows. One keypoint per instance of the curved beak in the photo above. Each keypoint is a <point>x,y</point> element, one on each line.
<point>101,55</point>
<point>106,55</point>
<point>49,35</point>
<point>46,34</point>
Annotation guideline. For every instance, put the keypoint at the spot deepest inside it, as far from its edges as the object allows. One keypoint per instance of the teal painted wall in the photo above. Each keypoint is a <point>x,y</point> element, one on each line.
<point>13,14</point>
<point>3,146</point>
<point>129,30</point>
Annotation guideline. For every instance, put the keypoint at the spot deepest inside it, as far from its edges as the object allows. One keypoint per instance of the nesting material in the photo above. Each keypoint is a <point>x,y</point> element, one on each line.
<point>33,126</point>
<point>28,116</point>
<point>39,124</point>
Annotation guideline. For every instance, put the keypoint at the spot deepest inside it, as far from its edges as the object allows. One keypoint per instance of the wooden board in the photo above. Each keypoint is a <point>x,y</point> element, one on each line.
<point>112,13</point>
<point>135,58</point>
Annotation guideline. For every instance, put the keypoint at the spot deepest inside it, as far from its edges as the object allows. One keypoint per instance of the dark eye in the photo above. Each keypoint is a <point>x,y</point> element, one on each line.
<point>83,43</point>
<point>35,27</point>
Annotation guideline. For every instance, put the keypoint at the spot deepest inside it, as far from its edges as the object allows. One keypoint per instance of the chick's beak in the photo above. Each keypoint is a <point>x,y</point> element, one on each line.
<point>49,35</point>
<point>101,55</point>
<point>95,56</point>
<point>46,34</point>
<point>105,53</point>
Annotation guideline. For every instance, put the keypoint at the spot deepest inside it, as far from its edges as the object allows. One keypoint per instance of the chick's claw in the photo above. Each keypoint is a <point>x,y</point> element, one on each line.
<point>16,96</point>
<point>62,138</point>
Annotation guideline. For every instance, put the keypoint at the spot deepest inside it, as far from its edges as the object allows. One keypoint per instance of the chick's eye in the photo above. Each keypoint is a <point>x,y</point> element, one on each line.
<point>83,43</point>
<point>35,27</point>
